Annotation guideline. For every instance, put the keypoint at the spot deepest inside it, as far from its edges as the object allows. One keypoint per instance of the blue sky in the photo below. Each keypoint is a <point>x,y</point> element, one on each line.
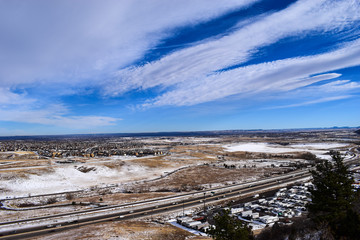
<point>91,66</point>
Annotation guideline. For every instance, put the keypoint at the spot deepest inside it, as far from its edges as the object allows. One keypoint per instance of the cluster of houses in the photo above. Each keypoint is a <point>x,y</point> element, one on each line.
<point>196,222</point>
<point>285,204</point>
<point>94,152</point>
<point>84,148</point>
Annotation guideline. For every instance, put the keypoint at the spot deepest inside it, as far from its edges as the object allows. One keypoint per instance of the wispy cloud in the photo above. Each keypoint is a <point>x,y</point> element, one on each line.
<point>321,100</point>
<point>8,97</point>
<point>55,115</point>
<point>65,46</point>
<point>336,87</point>
<point>198,65</point>
<point>278,76</point>
<point>67,41</point>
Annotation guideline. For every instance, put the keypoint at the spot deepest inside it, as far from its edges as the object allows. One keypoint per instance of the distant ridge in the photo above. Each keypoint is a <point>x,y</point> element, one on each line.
<point>169,134</point>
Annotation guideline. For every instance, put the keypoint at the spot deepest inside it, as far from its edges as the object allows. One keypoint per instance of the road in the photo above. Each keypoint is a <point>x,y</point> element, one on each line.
<point>37,226</point>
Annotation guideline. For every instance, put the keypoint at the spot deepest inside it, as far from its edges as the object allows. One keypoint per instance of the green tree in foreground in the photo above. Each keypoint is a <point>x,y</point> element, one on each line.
<point>332,198</point>
<point>229,228</point>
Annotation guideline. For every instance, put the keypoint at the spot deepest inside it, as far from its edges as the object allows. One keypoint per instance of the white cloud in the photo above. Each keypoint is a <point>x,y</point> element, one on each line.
<point>74,41</point>
<point>19,108</point>
<point>66,45</point>
<point>8,97</point>
<point>321,100</point>
<point>337,86</point>
<point>278,76</point>
<point>192,73</point>
<point>55,115</point>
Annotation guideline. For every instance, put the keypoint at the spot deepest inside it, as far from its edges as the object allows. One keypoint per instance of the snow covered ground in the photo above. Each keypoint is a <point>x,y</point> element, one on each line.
<point>68,178</point>
<point>319,149</point>
<point>124,169</point>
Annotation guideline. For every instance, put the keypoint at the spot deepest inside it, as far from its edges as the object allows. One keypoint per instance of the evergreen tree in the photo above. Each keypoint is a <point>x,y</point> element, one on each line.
<point>229,228</point>
<point>332,198</point>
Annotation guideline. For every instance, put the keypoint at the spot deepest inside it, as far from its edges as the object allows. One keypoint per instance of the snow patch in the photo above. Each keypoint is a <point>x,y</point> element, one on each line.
<point>319,149</point>
<point>68,178</point>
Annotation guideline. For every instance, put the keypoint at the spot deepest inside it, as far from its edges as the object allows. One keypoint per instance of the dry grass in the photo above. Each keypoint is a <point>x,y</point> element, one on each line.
<point>24,173</point>
<point>200,151</point>
<point>194,177</point>
<point>114,165</point>
<point>125,230</point>
<point>154,162</point>
<point>23,163</point>
<point>25,152</point>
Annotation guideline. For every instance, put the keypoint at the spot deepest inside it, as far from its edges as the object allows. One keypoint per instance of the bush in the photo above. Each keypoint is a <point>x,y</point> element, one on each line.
<point>69,196</point>
<point>51,200</point>
<point>308,156</point>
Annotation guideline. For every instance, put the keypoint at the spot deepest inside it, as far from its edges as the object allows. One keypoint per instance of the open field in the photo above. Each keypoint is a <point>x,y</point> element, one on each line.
<point>133,169</point>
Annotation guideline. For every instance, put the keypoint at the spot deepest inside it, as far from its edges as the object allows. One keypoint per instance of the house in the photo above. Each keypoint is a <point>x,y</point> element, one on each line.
<point>253,206</point>
<point>236,210</point>
<point>268,219</point>
<point>193,224</point>
<point>246,213</point>
<point>183,220</point>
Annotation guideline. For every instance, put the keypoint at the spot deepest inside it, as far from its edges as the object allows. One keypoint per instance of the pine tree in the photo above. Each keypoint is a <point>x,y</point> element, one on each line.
<point>332,198</point>
<point>229,228</point>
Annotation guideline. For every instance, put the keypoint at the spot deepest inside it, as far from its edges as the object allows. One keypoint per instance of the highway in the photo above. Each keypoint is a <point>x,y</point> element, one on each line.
<point>37,226</point>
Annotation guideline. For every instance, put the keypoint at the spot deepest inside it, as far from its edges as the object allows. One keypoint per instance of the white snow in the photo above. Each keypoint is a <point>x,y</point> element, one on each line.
<point>255,147</point>
<point>272,148</point>
<point>319,145</point>
<point>319,149</point>
<point>68,178</point>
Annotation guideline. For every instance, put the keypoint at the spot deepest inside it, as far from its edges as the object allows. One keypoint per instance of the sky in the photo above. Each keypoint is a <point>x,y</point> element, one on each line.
<point>121,66</point>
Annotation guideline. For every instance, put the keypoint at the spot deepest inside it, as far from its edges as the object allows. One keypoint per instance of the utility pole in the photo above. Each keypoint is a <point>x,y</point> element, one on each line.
<point>204,201</point>
<point>183,209</point>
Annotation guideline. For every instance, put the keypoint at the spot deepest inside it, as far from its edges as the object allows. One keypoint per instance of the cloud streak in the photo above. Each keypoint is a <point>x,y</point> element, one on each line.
<point>278,76</point>
<point>53,118</point>
<point>321,100</point>
<point>67,41</point>
<point>198,65</point>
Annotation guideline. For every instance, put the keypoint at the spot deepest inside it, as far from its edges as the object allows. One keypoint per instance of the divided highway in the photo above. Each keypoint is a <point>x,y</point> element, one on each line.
<point>41,225</point>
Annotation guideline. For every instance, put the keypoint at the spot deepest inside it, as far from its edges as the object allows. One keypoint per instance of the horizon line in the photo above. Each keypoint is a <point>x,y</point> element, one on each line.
<point>168,133</point>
